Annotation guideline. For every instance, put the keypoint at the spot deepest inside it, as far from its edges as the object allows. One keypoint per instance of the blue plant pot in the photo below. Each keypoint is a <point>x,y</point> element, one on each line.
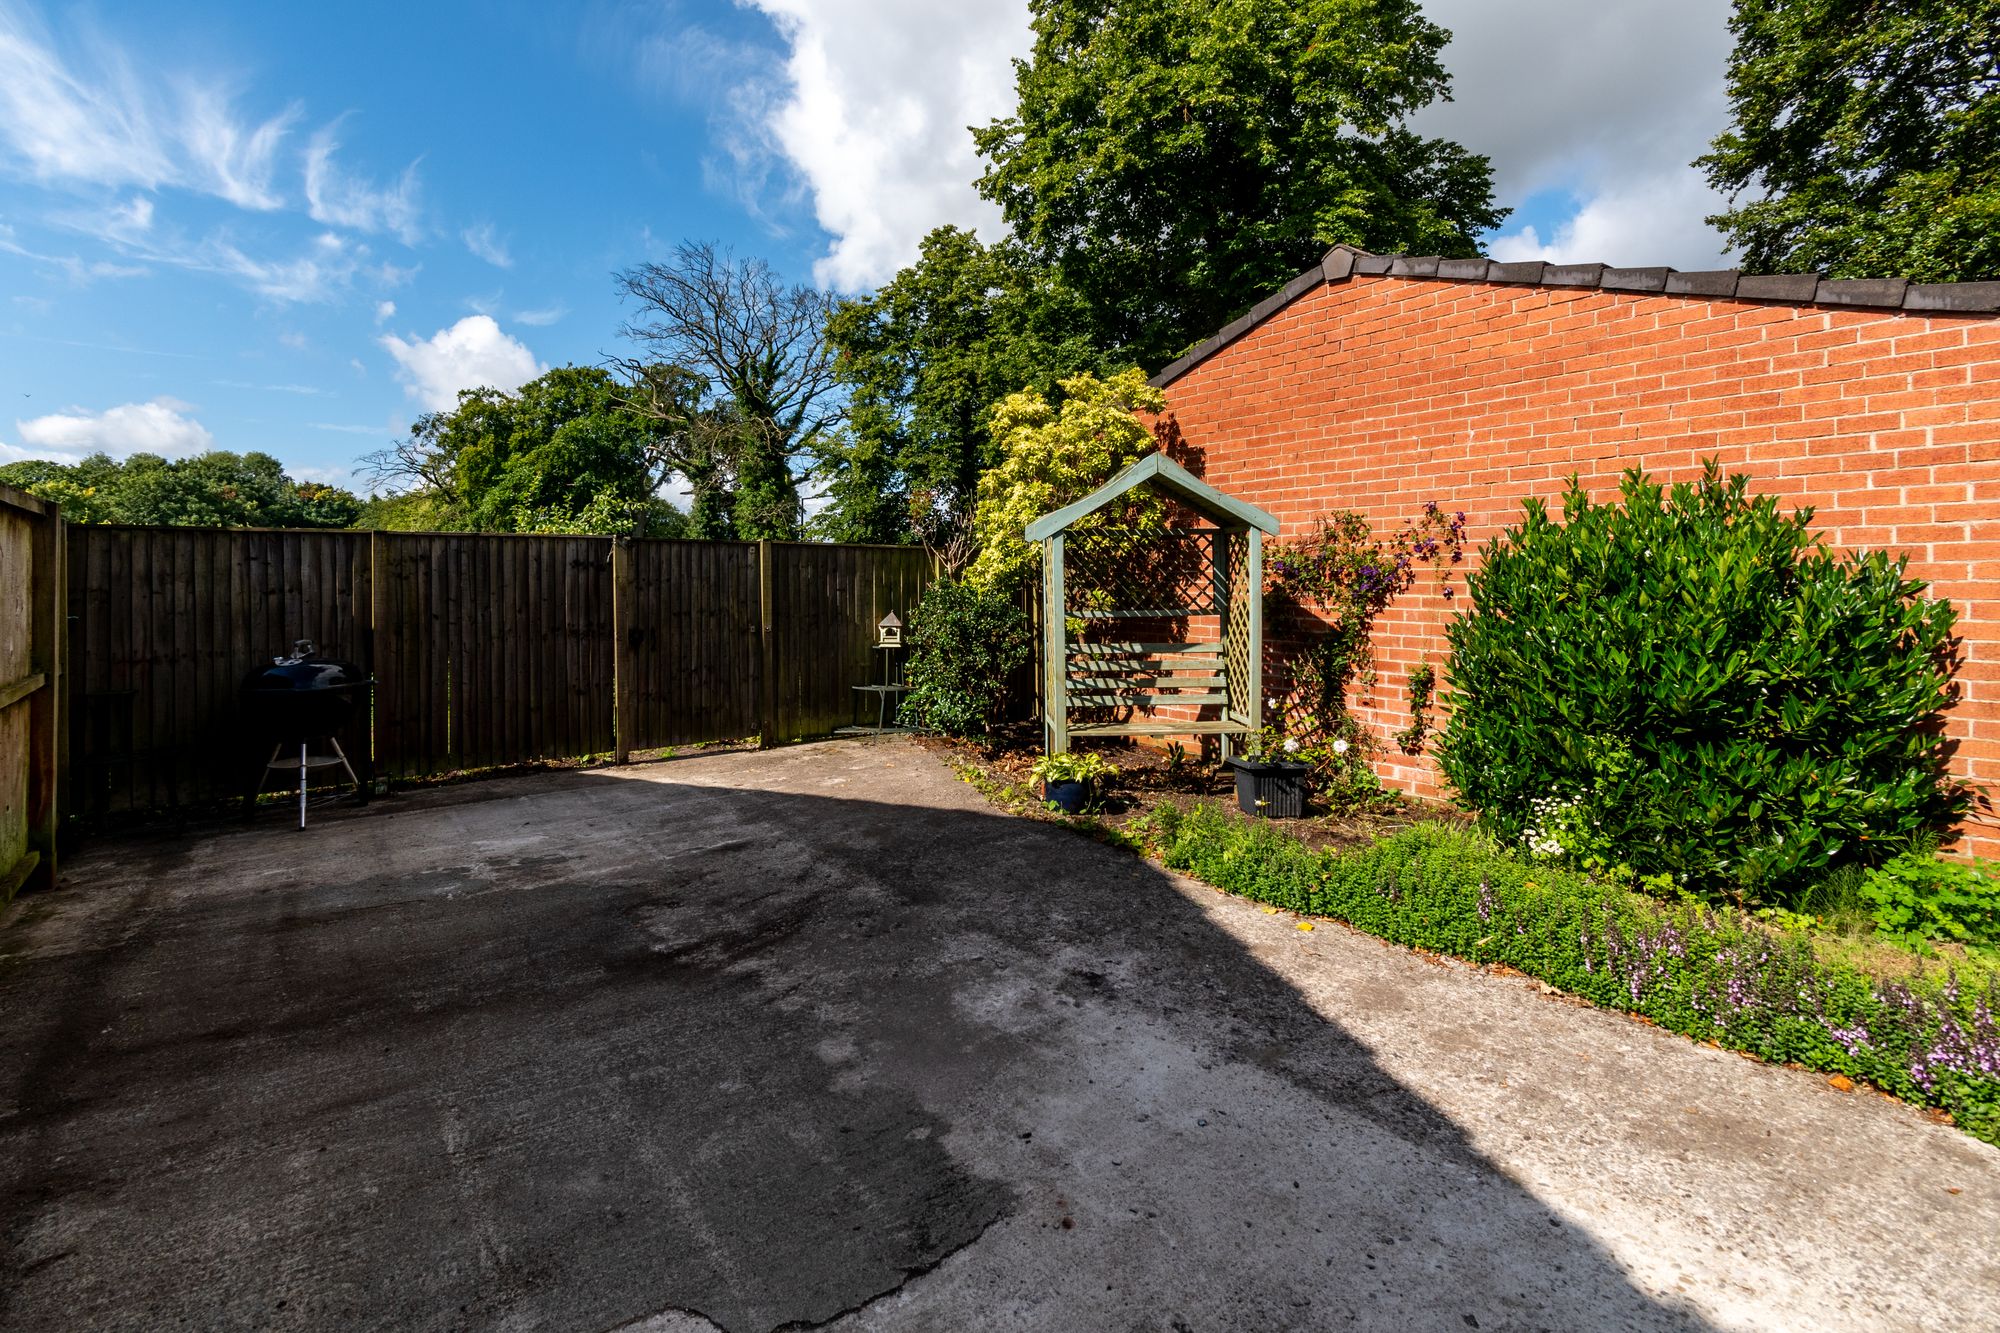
<point>1069,797</point>
<point>1271,791</point>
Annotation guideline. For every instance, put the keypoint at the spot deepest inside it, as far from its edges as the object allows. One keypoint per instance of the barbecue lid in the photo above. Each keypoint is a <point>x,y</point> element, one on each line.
<point>305,669</point>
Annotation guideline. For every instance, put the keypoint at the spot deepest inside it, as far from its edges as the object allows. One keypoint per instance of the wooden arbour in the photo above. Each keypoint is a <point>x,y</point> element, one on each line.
<point>1214,681</point>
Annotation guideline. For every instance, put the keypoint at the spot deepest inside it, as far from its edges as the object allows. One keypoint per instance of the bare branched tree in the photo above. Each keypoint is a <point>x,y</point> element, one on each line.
<point>759,348</point>
<point>943,524</point>
<point>414,462</point>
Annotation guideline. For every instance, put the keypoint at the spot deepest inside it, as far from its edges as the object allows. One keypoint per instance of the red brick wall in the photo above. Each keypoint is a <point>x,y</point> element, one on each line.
<point>1380,393</point>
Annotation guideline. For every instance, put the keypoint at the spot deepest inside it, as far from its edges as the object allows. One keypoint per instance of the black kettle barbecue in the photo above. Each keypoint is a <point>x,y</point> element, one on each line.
<point>298,700</point>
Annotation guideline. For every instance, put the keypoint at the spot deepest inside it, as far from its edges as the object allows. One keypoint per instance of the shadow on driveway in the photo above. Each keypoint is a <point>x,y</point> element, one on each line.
<point>754,1039</point>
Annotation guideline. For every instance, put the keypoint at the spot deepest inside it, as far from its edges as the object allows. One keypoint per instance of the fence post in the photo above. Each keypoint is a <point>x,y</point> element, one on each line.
<point>624,684</point>
<point>381,667</point>
<point>767,635</point>
<point>47,611</point>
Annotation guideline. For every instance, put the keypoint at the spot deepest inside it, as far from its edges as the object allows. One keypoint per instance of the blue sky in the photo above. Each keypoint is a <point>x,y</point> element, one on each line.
<point>292,228</point>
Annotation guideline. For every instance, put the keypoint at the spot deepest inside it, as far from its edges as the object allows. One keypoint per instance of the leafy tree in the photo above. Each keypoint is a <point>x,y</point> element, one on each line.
<point>1692,684</point>
<point>760,351</point>
<point>1053,456</point>
<point>217,489</point>
<point>409,511</point>
<point>694,438</point>
<point>609,515</point>
<point>926,357</point>
<point>1866,140</point>
<point>1177,159</point>
<point>562,453</point>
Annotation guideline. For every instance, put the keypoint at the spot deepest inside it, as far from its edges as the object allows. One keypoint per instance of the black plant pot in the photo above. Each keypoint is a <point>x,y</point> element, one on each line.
<point>1271,790</point>
<point>1069,797</point>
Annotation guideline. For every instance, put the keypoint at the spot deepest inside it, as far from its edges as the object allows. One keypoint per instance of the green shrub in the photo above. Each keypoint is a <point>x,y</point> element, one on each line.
<point>1073,766</point>
<point>1917,897</point>
<point>964,644</point>
<point>1709,975</point>
<point>1694,685</point>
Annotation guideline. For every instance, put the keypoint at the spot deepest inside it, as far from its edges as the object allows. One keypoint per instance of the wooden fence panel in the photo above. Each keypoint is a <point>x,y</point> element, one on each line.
<point>487,650</point>
<point>164,623</point>
<point>491,650</point>
<point>31,572</point>
<point>692,642</point>
<point>826,603</point>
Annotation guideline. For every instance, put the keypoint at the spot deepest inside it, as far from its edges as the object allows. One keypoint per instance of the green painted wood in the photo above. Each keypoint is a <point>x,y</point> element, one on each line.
<point>1165,474</point>
<point>1055,653</point>
<point>1144,681</point>
<point>1254,686</point>
<point>1157,727</point>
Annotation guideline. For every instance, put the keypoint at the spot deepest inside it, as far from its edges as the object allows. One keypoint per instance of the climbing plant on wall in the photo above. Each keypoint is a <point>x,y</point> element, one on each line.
<point>1326,591</point>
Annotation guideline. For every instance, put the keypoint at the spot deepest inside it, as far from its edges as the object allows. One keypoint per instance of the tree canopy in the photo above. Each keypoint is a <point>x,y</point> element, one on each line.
<point>1052,456</point>
<point>758,352</point>
<point>1866,138</point>
<point>563,453</point>
<point>217,489</point>
<point>1175,160</point>
<point>925,358</point>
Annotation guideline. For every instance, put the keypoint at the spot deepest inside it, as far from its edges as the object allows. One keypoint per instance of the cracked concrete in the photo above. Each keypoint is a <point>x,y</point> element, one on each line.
<point>756,1041</point>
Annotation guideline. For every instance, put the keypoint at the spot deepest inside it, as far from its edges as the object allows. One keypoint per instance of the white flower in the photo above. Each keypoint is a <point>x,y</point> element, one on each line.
<point>1340,747</point>
<point>1291,746</point>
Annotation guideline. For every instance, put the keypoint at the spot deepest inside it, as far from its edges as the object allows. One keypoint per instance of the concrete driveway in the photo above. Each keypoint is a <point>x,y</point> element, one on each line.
<point>767,1041</point>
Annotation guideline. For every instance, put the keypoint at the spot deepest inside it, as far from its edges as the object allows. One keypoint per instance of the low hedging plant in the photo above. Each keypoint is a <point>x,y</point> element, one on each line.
<point>1690,683</point>
<point>1919,897</point>
<point>965,644</point>
<point>1708,974</point>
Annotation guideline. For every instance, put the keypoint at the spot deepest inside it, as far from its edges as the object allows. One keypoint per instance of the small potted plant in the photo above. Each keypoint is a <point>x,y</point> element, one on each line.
<point>1274,773</point>
<point>1072,782</point>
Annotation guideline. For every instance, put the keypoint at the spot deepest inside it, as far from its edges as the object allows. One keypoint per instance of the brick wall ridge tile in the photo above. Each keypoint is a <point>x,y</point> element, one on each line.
<point>1344,262</point>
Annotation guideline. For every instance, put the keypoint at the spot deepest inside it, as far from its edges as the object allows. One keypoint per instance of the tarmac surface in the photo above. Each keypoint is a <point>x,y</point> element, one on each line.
<point>814,1036</point>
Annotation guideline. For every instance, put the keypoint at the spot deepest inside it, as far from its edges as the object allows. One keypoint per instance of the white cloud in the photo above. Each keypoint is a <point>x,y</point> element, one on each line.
<point>161,426</point>
<point>471,354</point>
<point>483,244</point>
<point>317,275</point>
<point>1654,219</point>
<point>102,124</point>
<point>384,311</point>
<point>230,159</point>
<point>327,474</point>
<point>1607,101</point>
<point>539,318</point>
<point>341,200</point>
<point>343,429</point>
<point>78,270</point>
<point>873,113</point>
<point>327,268</point>
<point>302,390</point>
<point>125,224</point>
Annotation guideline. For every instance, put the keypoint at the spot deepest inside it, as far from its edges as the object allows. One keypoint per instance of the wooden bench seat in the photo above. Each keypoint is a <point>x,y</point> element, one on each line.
<point>1158,727</point>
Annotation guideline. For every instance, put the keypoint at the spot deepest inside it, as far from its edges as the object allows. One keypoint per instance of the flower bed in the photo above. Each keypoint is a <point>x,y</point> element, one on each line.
<point>1928,1039</point>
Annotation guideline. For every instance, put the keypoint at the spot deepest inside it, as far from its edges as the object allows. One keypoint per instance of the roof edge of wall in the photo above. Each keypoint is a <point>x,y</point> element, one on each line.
<point>1798,289</point>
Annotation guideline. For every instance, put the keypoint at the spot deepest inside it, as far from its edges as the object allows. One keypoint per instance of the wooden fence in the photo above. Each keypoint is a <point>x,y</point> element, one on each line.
<point>487,650</point>
<point>31,562</point>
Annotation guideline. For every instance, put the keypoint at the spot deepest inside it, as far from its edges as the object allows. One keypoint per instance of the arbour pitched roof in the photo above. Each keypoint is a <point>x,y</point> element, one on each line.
<point>1346,261</point>
<point>1167,475</point>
